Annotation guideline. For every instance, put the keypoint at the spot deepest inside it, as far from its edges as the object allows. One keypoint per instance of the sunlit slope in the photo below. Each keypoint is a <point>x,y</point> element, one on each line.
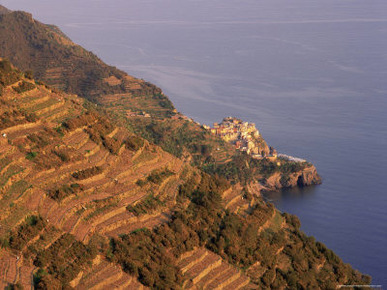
<point>137,104</point>
<point>64,162</point>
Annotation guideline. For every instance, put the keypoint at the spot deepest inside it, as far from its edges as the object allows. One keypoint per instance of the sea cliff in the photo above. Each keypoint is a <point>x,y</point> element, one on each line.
<point>305,177</point>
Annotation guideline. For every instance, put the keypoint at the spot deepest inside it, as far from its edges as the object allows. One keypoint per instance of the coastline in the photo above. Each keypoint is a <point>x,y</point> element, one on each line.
<point>301,178</point>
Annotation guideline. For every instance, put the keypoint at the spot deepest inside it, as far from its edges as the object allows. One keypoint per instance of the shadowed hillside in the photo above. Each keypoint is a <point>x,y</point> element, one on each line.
<point>57,61</point>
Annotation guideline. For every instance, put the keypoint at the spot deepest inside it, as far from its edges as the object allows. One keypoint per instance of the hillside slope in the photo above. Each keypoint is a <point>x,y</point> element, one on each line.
<point>136,104</point>
<point>60,63</point>
<point>87,204</point>
<point>65,163</point>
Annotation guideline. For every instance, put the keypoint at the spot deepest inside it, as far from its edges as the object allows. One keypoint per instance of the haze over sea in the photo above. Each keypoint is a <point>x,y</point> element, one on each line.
<point>311,74</point>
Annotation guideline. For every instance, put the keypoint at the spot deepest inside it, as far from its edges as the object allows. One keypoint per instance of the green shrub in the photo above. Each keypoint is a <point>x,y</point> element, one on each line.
<point>156,177</point>
<point>111,144</point>
<point>8,75</point>
<point>134,143</point>
<point>25,232</point>
<point>29,74</point>
<point>65,258</point>
<point>65,191</point>
<point>24,87</point>
<point>31,155</point>
<point>148,205</point>
<point>86,173</point>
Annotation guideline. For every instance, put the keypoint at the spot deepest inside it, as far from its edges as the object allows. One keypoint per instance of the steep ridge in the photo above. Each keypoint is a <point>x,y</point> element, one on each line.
<point>57,61</point>
<point>4,10</point>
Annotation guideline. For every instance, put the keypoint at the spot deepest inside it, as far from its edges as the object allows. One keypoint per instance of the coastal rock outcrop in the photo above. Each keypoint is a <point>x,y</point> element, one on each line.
<point>309,176</point>
<point>305,177</point>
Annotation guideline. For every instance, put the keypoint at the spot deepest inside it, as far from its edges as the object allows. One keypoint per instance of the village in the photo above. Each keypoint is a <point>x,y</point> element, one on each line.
<point>244,136</point>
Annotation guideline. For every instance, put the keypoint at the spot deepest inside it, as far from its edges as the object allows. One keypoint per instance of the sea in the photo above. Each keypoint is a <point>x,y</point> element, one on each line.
<point>311,74</point>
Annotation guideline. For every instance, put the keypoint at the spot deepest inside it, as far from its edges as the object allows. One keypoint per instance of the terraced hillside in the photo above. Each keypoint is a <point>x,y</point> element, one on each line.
<point>88,204</point>
<point>57,61</point>
<point>138,105</point>
<point>105,275</point>
<point>62,161</point>
<point>206,270</point>
<point>214,242</point>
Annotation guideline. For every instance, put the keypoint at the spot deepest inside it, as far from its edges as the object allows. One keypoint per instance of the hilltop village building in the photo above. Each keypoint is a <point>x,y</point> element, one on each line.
<point>243,135</point>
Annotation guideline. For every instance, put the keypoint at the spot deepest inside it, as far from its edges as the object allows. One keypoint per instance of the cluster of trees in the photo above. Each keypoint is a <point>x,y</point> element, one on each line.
<point>148,205</point>
<point>65,191</point>
<point>164,102</point>
<point>86,173</point>
<point>143,254</point>
<point>134,142</point>
<point>151,254</point>
<point>29,229</point>
<point>64,154</point>
<point>8,75</point>
<point>111,144</point>
<point>24,87</point>
<point>31,155</point>
<point>177,136</point>
<point>288,167</point>
<point>12,117</point>
<point>156,177</point>
<point>245,169</point>
<point>62,261</point>
<point>98,128</point>
<point>83,120</point>
<point>242,168</point>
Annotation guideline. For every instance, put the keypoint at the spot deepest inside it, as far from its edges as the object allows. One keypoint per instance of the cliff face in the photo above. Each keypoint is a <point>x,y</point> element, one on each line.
<point>309,176</point>
<point>304,177</point>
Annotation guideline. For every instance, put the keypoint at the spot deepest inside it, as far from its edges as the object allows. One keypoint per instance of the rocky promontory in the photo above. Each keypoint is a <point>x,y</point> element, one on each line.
<point>304,177</point>
<point>286,171</point>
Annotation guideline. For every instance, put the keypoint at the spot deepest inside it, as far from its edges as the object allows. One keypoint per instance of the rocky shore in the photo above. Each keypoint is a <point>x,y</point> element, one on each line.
<point>305,177</point>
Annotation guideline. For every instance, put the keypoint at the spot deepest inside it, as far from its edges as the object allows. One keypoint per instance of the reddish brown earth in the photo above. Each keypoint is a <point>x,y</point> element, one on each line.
<point>101,205</point>
<point>203,269</point>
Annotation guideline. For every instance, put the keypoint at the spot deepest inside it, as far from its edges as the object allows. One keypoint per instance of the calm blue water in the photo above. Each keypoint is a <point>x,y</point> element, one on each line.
<point>311,74</point>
